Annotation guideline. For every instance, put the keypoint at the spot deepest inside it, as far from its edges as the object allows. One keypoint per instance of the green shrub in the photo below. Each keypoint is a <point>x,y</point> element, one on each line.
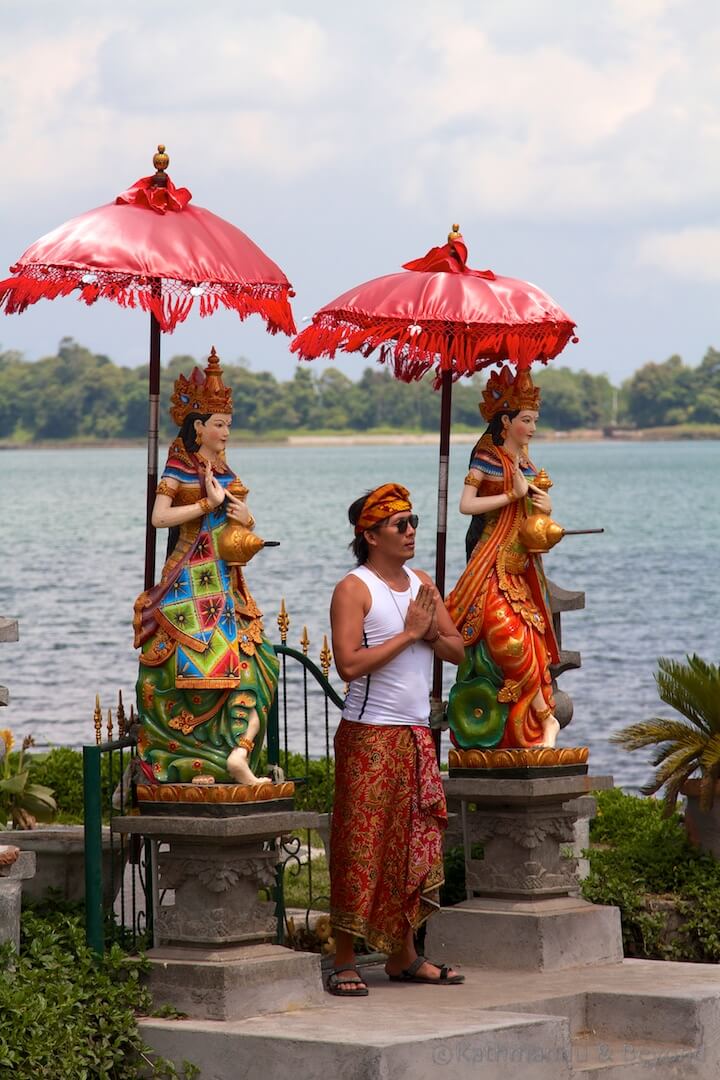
<point>64,1013</point>
<point>317,792</point>
<point>643,859</point>
<point>62,770</point>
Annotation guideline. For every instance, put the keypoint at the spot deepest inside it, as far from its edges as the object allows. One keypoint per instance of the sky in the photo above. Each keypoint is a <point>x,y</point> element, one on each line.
<point>576,142</point>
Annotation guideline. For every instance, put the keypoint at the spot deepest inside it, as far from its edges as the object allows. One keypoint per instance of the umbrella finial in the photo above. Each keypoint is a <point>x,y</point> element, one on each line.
<point>161,162</point>
<point>454,233</point>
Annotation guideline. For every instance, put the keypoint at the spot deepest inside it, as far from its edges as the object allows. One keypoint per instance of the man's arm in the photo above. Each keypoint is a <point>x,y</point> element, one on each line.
<point>448,645</point>
<point>349,606</point>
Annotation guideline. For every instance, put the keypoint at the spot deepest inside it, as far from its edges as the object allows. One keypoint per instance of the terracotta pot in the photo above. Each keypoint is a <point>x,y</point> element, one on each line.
<point>702,826</point>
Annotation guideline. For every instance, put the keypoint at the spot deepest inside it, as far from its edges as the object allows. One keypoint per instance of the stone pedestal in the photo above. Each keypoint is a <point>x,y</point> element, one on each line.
<point>213,956</point>
<point>523,910</point>
<point>12,875</point>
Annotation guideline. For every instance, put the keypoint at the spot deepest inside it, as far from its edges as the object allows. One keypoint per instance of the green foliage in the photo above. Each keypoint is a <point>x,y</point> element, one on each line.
<point>80,395</point>
<point>300,892</point>
<point>22,799</point>
<point>572,399</point>
<point>315,780</point>
<point>668,893</point>
<point>672,393</point>
<point>683,746</point>
<point>65,1013</point>
<point>62,770</point>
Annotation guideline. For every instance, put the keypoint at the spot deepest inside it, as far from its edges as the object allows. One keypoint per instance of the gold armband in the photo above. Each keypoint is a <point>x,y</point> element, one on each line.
<point>164,488</point>
<point>472,481</point>
<point>205,506</point>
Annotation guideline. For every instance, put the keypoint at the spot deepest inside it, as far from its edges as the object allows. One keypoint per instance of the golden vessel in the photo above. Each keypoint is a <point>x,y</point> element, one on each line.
<point>538,533</point>
<point>237,544</point>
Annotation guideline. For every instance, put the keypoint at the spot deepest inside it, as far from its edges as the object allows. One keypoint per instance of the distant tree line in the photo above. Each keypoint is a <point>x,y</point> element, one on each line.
<point>79,394</point>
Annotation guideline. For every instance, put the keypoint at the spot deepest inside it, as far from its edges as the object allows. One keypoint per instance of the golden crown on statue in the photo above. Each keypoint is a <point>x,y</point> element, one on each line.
<point>204,392</point>
<point>506,392</point>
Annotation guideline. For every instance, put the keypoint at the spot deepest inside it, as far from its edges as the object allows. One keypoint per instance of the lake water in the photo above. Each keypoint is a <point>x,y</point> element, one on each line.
<point>72,534</point>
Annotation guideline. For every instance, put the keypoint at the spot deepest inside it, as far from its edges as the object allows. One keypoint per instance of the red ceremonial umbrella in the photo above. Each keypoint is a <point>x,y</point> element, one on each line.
<point>438,313</point>
<point>151,249</point>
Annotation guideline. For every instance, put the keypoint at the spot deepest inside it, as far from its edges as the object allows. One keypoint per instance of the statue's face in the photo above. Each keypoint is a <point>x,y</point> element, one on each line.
<point>213,434</point>
<point>521,428</point>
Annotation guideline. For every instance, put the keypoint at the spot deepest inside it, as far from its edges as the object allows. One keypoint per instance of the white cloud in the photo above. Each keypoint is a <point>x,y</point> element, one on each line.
<point>692,253</point>
<point>218,60</point>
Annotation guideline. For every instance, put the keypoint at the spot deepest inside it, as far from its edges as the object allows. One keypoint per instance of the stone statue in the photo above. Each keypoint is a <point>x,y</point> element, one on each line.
<point>503,694</point>
<point>207,673</point>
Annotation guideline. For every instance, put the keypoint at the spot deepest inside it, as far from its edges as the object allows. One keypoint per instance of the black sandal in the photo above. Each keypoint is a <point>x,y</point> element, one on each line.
<point>410,974</point>
<point>335,984</point>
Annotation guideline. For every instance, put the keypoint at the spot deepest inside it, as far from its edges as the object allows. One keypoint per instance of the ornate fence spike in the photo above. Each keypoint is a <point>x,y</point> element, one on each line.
<point>305,641</point>
<point>325,657</point>
<point>109,725</point>
<point>283,621</point>
<point>120,716</point>
<point>97,720</point>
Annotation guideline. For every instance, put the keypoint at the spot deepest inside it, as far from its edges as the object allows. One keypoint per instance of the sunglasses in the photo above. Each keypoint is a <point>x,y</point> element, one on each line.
<point>402,524</point>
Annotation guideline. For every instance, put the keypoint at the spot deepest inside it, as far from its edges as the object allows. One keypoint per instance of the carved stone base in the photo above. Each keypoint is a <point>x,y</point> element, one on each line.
<point>213,955</point>
<point>234,983</point>
<point>527,829</point>
<point>214,870</point>
<point>545,935</point>
<point>523,911</point>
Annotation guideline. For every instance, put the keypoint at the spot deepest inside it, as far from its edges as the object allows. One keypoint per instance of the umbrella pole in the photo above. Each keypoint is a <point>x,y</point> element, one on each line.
<point>152,462</point>
<point>441,542</point>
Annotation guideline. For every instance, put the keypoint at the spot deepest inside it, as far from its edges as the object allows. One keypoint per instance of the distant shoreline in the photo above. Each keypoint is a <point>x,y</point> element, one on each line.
<point>679,433</point>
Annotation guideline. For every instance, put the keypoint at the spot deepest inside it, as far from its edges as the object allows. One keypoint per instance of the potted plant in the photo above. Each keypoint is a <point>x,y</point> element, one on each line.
<point>21,802</point>
<point>685,745</point>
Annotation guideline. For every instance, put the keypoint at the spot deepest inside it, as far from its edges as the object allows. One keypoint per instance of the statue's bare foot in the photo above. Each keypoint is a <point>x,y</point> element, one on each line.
<point>237,766</point>
<point>551,730</point>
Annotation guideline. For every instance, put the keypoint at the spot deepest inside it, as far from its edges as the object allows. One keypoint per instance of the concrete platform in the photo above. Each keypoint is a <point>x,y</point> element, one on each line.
<point>637,1020</point>
<point>223,984</point>
<point>527,935</point>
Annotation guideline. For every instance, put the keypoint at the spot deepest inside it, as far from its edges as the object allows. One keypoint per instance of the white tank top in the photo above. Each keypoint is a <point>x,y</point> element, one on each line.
<point>399,692</point>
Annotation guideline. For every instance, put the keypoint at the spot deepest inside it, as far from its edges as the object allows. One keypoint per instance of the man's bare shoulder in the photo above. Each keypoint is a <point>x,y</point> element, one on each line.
<point>351,588</point>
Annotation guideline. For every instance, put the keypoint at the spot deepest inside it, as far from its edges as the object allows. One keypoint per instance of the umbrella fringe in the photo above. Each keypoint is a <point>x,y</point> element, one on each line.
<point>412,350</point>
<point>170,301</point>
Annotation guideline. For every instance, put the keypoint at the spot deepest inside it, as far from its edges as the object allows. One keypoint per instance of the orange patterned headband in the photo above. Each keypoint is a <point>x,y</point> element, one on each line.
<point>382,503</point>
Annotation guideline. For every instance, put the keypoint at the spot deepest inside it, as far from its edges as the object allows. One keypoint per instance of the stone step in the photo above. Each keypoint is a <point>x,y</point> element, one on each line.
<point>362,1040</point>
<point>607,1023</point>
<point>598,1057</point>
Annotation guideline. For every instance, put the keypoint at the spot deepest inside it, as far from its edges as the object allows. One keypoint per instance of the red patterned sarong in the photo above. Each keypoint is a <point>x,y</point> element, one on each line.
<point>386,856</point>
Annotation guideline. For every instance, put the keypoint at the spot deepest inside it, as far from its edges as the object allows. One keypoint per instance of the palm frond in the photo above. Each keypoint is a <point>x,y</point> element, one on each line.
<point>674,787</point>
<point>692,688</point>
<point>710,757</point>
<point>682,746</point>
<point>666,750</point>
<point>678,762</point>
<point>657,730</point>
